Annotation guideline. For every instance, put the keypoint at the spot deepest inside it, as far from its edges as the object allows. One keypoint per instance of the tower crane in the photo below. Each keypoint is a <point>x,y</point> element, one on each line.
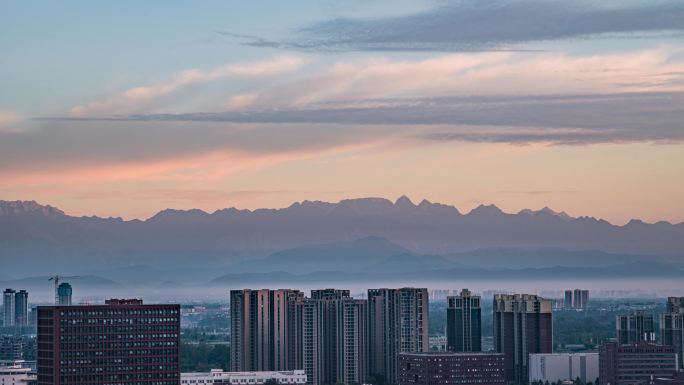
<point>56,278</point>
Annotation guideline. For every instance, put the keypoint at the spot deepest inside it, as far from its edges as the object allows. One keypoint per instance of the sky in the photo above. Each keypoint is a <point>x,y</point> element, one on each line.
<point>126,108</point>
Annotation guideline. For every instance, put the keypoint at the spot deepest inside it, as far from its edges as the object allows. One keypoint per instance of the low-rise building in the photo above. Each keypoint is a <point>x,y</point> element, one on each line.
<point>635,364</point>
<point>218,376</point>
<point>451,368</point>
<point>554,367</point>
<point>13,372</point>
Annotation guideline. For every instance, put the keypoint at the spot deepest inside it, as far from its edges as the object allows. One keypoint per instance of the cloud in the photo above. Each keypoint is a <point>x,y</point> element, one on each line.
<point>556,119</point>
<point>134,99</point>
<point>473,25</point>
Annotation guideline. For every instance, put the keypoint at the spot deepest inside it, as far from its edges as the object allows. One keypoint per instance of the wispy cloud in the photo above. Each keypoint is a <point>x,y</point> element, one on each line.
<point>135,99</point>
<point>473,25</point>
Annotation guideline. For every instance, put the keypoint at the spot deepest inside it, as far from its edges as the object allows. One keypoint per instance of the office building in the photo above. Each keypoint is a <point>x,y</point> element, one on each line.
<point>450,368</point>
<point>64,294</point>
<point>634,327</point>
<point>8,302</point>
<point>559,367</point>
<point>398,323</point>
<point>219,377</point>
<point>264,333</point>
<point>635,364</point>
<point>121,342</point>
<point>672,333</point>
<point>675,305</point>
<point>523,325</point>
<point>464,322</point>
<point>21,308</point>
<point>14,372</point>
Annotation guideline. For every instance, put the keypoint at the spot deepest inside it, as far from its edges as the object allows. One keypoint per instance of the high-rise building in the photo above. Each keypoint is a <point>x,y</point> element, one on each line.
<point>568,299</point>
<point>634,327</point>
<point>450,368</point>
<point>580,299</point>
<point>21,308</point>
<point>523,324</point>
<point>330,307</point>
<point>464,322</point>
<point>675,305</point>
<point>672,333</point>
<point>398,323</point>
<point>635,364</point>
<point>345,336</point>
<point>264,333</point>
<point>8,303</point>
<point>121,342</point>
<point>64,294</point>
<point>310,317</point>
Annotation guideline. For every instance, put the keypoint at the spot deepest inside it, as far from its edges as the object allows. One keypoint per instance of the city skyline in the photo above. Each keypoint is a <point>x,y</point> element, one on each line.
<point>247,105</point>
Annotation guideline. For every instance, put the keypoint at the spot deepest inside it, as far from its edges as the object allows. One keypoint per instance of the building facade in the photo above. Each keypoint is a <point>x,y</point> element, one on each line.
<point>672,327</point>
<point>122,342</point>
<point>635,364</point>
<point>555,367</point>
<point>8,302</point>
<point>523,325</point>
<point>21,308</point>
<point>219,377</point>
<point>450,368</point>
<point>264,332</point>
<point>675,305</point>
<point>398,323</point>
<point>635,327</point>
<point>464,322</point>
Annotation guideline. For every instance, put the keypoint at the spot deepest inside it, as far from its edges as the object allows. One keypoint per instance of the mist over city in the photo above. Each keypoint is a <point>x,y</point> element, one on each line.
<point>328,192</point>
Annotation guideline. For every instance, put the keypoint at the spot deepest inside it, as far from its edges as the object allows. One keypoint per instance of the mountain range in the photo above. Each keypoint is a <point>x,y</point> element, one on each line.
<point>361,237</point>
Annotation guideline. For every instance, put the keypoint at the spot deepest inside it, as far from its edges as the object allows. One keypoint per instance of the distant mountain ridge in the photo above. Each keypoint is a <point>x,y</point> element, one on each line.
<point>237,238</point>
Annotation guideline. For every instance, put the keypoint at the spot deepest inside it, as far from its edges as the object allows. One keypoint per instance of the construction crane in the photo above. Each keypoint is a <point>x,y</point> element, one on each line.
<point>56,278</point>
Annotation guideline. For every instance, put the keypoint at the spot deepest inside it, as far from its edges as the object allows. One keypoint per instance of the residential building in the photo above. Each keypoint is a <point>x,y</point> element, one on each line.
<point>555,367</point>
<point>398,323</point>
<point>523,325</point>
<point>568,299</point>
<point>635,327</point>
<point>635,364</point>
<point>219,377</point>
<point>451,368</point>
<point>464,322</point>
<point>121,342</point>
<point>264,333</point>
<point>580,299</point>
<point>8,303</point>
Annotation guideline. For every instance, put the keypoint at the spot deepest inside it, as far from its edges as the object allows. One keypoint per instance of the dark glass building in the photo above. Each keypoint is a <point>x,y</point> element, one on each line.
<point>523,324</point>
<point>440,368</point>
<point>123,342</point>
<point>464,323</point>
